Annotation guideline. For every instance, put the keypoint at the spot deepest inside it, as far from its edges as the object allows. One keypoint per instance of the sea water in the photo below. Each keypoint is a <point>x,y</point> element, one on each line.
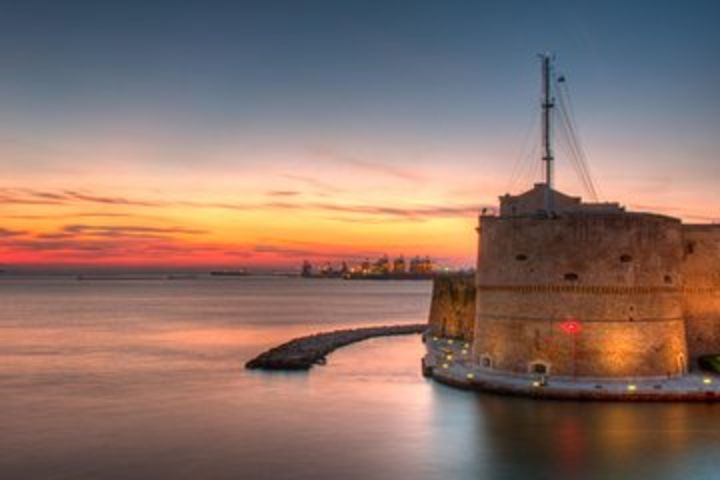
<point>144,379</point>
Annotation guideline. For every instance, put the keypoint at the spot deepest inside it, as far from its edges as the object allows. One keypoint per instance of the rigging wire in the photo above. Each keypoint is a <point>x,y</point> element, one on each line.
<point>526,168</point>
<point>525,155</point>
<point>533,168</point>
<point>576,152</point>
<point>568,118</point>
<point>572,154</point>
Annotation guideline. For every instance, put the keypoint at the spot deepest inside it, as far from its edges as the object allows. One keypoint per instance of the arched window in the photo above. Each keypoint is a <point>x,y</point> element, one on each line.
<point>539,367</point>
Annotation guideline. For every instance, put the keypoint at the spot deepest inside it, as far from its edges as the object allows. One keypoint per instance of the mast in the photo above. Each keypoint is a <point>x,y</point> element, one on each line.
<point>548,103</point>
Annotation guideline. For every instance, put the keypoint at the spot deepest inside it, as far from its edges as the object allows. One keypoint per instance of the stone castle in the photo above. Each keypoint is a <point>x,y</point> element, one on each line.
<point>574,299</point>
<point>588,291</point>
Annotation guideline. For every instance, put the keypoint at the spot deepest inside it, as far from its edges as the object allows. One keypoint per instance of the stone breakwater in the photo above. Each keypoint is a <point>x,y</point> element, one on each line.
<point>304,352</point>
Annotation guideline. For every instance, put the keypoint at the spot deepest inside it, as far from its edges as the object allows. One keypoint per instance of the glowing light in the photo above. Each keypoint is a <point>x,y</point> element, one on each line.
<point>445,366</point>
<point>536,384</point>
<point>450,341</point>
<point>707,381</point>
<point>449,357</point>
<point>467,345</point>
<point>464,352</point>
<point>435,339</point>
<point>571,326</point>
<point>631,388</point>
<point>470,376</point>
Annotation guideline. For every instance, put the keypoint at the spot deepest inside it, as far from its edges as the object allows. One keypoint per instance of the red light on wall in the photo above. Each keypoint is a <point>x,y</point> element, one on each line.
<point>571,326</point>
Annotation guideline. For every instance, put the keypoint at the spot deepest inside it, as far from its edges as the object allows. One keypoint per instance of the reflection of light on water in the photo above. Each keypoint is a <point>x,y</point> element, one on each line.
<point>156,389</point>
<point>570,439</point>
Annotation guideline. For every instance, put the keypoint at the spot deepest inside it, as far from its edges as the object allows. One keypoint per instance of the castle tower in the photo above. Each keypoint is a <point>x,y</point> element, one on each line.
<point>577,289</point>
<point>586,293</point>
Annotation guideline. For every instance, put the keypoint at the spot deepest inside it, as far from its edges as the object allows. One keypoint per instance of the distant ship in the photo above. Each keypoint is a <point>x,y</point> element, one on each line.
<point>230,273</point>
<point>181,276</point>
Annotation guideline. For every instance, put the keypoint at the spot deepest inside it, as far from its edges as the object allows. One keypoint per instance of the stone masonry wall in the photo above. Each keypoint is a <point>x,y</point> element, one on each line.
<point>617,275</point>
<point>701,282</point>
<point>452,311</point>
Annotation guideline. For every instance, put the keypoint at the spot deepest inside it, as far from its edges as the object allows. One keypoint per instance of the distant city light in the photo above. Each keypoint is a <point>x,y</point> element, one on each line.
<point>470,376</point>
<point>707,381</point>
<point>631,388</point>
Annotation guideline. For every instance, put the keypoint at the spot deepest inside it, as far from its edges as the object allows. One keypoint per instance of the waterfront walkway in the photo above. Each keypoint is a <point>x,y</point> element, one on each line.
<point>448,361</point>
<point>304,352</point>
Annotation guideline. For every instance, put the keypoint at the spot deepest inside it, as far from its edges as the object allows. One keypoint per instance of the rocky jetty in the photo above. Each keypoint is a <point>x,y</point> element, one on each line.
<point>304,352</point>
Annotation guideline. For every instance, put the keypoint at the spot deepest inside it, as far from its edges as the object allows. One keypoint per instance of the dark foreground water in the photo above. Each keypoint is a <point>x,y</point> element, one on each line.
<point>139,380</point>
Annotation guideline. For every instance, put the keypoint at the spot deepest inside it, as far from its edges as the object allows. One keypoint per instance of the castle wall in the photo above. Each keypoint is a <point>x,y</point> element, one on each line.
<point>617,275</point>
<point>701,281</point>
<point>452,311</point>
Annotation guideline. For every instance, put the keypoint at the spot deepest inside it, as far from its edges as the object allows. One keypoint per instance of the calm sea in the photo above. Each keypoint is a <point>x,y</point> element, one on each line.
<point>144,379</point>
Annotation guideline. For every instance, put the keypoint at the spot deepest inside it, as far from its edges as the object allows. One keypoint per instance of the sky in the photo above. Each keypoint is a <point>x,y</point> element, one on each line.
<point>261,133</point>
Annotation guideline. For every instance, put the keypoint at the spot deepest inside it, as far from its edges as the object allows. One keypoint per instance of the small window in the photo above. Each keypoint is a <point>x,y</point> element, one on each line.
<point>625,258</point>
<point>486,361</point>
<point>668,279</point>
<point>690,248</point>
<point>571,277</point>
<point>539,367</point>
<point>521,257</point>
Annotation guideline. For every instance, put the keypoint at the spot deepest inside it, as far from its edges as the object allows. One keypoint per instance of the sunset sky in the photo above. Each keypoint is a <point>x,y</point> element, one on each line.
<point>258,134</point>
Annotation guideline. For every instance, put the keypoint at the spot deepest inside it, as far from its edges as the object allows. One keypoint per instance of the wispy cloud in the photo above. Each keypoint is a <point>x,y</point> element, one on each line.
<point>298,249</point>
<point>128,230</point>
<point>283,193</point>
<point>285,201</point>
<point>284,251</point>
<point>38,197</point>
<point>7,233</point>
<point>72,215</point>
<point>321,186</point>
<point>90,198</point>
<point>671,210</point>
<point>367,165</point>
<point>411,213</point>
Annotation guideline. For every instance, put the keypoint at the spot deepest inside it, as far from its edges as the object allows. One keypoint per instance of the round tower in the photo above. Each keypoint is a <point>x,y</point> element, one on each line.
<point>580,294</point>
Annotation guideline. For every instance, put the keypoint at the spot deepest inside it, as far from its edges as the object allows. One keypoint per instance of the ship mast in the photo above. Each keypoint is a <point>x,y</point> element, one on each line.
<point>548,103</point>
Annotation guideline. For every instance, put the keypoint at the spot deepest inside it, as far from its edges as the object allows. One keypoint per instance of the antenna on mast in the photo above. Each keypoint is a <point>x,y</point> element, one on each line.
<point>548,103</point>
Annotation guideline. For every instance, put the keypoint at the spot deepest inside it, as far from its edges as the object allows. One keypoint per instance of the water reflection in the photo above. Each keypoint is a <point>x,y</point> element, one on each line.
<point>519,438</point>
<point>145,381</point>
